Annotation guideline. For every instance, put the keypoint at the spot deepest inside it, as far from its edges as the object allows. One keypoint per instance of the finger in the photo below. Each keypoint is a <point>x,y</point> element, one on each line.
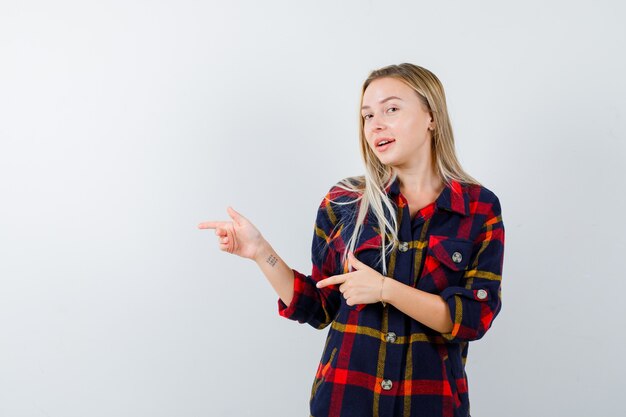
<point>225,230</point>
<point>230,240</point>
<point>227,245</point>
<point>324,283</point>
<point>336,279</point>
<point>210,225</point>
<point>235,215</point>
<point>349,301</point>
<point>354,262</point>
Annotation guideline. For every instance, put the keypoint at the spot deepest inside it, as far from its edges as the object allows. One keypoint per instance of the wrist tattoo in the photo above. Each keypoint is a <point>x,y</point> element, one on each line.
<point>272,260</point>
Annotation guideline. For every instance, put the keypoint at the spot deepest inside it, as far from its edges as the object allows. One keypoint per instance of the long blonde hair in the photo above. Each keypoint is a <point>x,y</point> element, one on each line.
<point>370,187</point>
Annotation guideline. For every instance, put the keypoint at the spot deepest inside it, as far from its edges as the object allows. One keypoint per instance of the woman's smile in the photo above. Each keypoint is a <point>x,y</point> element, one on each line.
<point>383,143</point>
<point>385,146</point>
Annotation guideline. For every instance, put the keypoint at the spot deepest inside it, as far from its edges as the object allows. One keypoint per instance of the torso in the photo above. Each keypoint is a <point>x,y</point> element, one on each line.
<point>413,361</point>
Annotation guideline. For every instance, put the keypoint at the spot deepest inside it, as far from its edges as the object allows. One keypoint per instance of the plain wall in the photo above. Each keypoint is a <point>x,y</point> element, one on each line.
<point>123,124</point>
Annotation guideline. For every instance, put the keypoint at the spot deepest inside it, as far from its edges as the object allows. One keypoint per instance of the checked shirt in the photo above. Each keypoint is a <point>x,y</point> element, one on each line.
<point>378,361</point>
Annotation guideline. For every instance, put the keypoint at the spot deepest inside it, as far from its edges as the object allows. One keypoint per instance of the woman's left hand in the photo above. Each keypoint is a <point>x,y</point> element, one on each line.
<point>363,286</point>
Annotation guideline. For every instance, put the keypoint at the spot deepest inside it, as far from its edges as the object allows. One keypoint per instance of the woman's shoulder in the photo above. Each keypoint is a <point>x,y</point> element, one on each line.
<point>481,200</point>
<point>346,189</point>
<point>479,193</point>
<point>339,201</point>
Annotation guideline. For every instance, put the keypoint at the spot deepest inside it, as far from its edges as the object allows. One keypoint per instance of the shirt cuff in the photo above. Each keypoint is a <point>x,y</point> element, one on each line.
<point>285,310</point>
<point>464,314</point>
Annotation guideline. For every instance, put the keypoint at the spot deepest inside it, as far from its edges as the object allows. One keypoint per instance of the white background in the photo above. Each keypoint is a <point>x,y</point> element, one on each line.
<point>123,124</point>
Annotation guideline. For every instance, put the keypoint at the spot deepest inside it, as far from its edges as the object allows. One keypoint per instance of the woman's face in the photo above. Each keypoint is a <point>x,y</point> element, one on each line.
<point>393,112</point>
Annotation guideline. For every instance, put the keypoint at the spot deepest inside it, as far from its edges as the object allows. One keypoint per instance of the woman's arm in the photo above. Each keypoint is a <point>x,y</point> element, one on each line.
<point>429,309</point>
<point>299,298</point>
<point>241,237</point>
<point>365,285</point>
<point>277,272</point>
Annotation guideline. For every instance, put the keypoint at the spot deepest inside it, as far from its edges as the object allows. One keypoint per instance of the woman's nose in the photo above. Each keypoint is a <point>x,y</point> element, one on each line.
<point>376,124</point>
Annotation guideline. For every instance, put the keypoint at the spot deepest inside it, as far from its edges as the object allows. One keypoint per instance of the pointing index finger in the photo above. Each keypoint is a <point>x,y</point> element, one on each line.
<point>335,279</point>
<point>210,225</point>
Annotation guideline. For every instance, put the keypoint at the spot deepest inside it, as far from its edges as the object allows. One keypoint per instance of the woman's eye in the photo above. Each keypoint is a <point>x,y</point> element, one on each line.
<point>366,116</point>
<point>392,108</point>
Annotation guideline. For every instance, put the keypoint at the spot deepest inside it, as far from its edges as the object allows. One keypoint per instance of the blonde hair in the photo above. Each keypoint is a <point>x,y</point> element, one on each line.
<point>370,188</point>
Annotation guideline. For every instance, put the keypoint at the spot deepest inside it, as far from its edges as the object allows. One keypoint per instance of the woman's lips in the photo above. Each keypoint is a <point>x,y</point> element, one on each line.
<point>383,148</point>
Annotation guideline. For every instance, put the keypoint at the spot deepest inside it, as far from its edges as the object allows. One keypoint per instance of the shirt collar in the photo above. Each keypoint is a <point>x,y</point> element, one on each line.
<point>453,197</point>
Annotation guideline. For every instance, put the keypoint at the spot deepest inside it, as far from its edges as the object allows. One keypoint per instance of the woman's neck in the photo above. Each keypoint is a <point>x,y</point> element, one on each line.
<point>420,181</point>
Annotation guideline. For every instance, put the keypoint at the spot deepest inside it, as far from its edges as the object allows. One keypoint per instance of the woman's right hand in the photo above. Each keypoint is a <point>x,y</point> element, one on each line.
<point>238,236</point>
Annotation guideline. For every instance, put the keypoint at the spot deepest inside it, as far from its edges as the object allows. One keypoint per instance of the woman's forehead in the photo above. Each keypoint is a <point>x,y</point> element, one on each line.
<point>383,88</point>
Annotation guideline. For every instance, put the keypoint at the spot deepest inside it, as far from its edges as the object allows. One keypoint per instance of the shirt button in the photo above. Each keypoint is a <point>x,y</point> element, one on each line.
<point>404,246</point>
<point>390,337</point>
<point>457,257</point>
<point>386,384</point>
<point>481,294</point>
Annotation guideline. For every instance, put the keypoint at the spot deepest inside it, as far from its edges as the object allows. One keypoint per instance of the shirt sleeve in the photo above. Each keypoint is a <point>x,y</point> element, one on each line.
<point>312,305</point>
<point>474,305</point>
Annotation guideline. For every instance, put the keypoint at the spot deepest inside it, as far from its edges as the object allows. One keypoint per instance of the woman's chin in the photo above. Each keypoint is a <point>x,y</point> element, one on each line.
<point>388,160</point>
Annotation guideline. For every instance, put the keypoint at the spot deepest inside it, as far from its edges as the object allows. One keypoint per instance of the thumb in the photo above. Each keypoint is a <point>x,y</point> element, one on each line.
<point>354,262</point>
<point>235,215</point>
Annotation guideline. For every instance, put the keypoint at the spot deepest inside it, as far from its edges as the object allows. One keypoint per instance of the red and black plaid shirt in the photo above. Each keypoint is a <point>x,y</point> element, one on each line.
<point>378,361</point>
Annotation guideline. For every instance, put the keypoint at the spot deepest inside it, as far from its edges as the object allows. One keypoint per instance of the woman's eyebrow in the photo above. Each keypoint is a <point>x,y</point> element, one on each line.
<point>383,101</point>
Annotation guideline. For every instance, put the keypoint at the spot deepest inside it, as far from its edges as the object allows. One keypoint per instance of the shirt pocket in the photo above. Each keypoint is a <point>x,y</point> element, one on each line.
<point>447,259</point>
<point>452,376</point>
<point>323,370</point>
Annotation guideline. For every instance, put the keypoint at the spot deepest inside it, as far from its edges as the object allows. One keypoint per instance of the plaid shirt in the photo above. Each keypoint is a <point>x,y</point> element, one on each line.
<point>378,361</point>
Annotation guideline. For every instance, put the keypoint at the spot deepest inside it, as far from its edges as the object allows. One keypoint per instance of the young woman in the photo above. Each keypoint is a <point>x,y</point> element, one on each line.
<point>407,261</point>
